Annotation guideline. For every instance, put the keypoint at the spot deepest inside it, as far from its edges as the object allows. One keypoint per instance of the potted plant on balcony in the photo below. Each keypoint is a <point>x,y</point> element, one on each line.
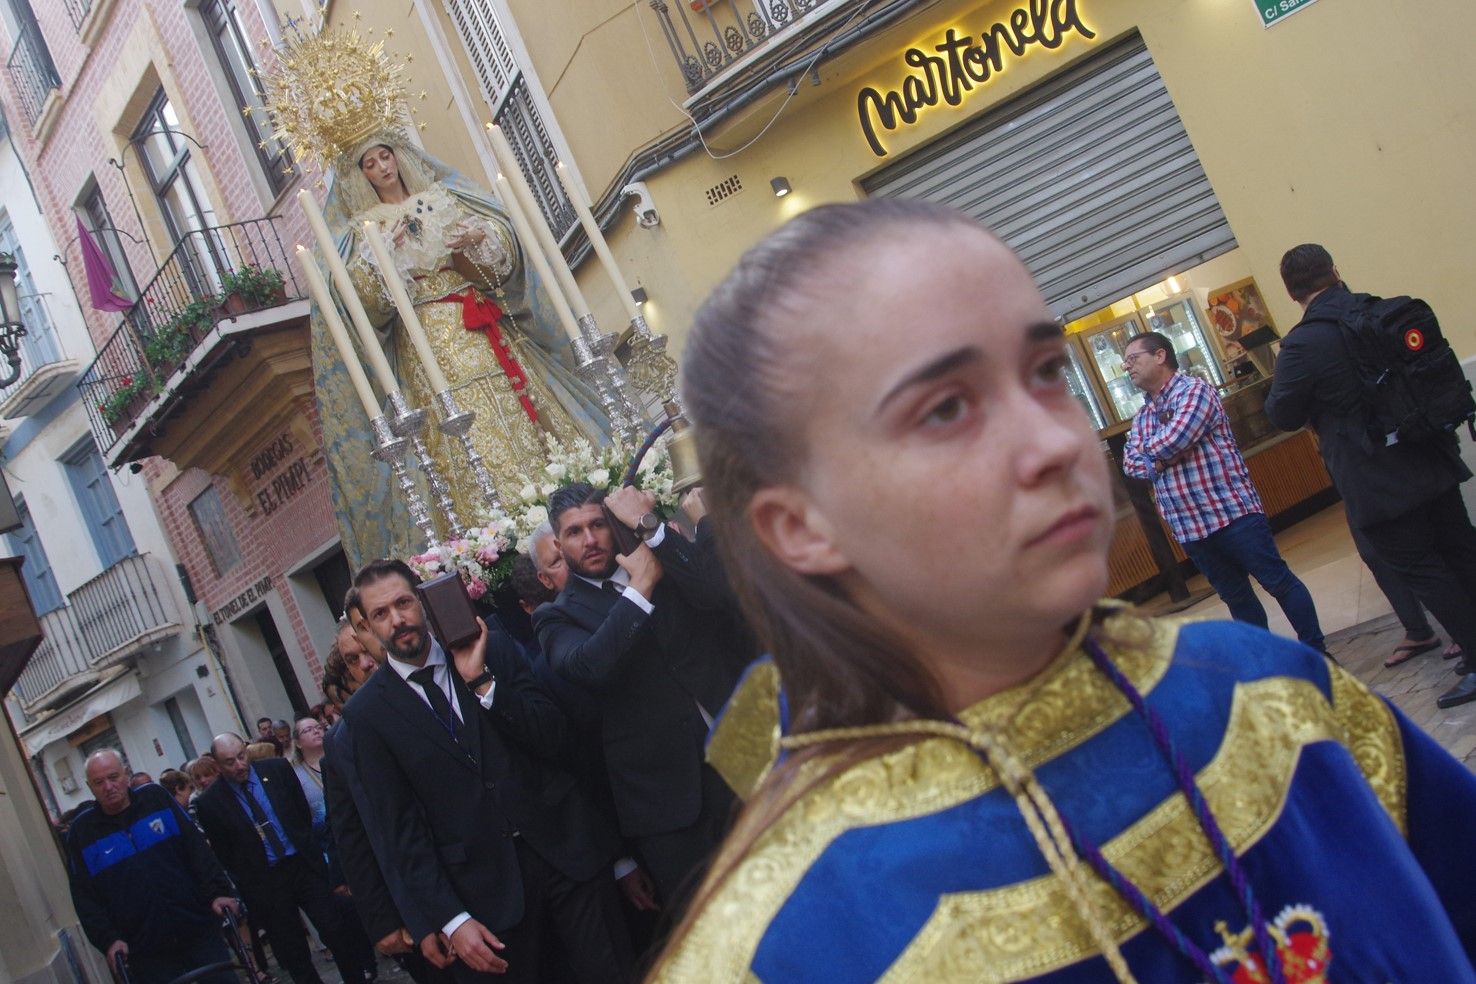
<point>168,344</point>
<point>122,405</point>
<point>250,288</point>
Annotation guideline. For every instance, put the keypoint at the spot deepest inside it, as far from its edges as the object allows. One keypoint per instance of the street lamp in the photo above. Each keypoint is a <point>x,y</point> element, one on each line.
<point>11,329</point>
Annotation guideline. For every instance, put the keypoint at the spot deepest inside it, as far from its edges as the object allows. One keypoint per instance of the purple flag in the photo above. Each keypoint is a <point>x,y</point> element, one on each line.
<point>102,282</point>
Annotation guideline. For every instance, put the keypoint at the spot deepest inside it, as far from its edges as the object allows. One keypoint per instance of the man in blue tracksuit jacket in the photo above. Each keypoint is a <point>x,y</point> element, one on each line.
<point>144,880</point>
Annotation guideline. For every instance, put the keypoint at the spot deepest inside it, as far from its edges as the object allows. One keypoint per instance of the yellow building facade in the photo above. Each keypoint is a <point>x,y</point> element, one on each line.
<point>1347,122</point>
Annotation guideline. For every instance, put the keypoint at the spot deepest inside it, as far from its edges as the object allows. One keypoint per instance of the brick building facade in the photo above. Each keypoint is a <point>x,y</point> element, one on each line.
<point>128,116</point>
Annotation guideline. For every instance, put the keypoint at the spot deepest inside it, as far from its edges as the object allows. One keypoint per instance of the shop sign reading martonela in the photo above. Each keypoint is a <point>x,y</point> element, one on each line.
<point>1276,11</point>
<point>948,71</point>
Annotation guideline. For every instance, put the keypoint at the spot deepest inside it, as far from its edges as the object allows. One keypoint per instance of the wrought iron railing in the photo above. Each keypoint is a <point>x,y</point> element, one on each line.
<point>77,10</point>
<point>211,274</point>
<point>707,37</point>
<point>32,72</point>
<point>62,656</point>
<point>108,618</point>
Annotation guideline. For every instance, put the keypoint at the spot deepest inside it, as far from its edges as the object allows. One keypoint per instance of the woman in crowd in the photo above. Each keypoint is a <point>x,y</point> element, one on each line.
<point>960,766</point>
<point>203,771</point>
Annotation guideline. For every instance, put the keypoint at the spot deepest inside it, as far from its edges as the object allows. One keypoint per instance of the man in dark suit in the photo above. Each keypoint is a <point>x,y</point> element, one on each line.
<point>259,823</point>
<point>484,841</point>
<point>1404,498</point>
<point>649,634</point>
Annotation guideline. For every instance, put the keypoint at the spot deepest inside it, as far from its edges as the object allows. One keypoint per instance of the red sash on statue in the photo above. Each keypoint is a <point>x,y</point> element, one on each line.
<point>478,313</point>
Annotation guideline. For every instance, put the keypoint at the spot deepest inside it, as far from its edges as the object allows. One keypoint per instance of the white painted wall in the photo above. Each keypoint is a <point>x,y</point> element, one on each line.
<point>34,447</point>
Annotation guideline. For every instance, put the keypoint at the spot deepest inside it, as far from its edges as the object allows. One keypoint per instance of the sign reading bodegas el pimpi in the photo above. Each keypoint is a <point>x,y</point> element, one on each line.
<point>953,67</point>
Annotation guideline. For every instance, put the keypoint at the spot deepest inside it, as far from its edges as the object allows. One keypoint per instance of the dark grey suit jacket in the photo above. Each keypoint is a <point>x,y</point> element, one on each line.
<point>441,813</point>
<point>649,673</point>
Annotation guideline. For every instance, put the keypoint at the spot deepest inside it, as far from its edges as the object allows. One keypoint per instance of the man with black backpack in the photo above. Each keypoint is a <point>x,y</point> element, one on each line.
<point>1381,387</point>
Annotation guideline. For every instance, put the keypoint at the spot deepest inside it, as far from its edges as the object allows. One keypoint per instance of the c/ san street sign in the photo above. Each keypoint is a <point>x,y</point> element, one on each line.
<point>1276,11</point>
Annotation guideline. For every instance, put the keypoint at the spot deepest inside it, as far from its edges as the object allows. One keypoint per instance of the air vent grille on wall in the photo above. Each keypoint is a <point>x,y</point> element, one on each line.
<point>724,190</point>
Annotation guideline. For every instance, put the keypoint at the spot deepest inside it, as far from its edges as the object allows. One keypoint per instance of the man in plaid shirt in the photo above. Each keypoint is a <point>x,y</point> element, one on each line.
<point>1181,442</point>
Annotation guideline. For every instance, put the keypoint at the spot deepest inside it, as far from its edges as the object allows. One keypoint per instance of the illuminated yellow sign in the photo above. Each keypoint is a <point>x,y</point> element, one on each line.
<point>952,68</point>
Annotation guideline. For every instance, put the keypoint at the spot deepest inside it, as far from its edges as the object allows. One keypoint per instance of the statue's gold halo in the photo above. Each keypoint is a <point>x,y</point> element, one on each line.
<point>329,93</point>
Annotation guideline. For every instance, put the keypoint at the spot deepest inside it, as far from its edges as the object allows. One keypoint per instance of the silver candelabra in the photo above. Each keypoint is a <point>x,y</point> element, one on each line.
<point>409,424</point>
<point>456,422</point>
<point>391,451</point>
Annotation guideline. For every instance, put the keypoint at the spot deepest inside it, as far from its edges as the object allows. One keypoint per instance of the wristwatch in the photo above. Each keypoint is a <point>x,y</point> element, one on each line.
<point>647,525</point>
<point>486,676</point>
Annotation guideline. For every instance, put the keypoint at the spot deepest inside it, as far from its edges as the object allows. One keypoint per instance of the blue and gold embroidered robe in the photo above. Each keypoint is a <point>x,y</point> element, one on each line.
<point>1354,826</point>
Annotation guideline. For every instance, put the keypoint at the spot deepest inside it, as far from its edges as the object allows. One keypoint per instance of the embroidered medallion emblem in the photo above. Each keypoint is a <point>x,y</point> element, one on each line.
<point>1301,938</point>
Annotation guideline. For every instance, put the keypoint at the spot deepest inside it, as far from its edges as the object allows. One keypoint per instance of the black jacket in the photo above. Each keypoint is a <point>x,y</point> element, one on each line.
<point>234,837</point>
<point>441,813</point>
<point>357,854</point>
<point>1317,384</point>
<point>145,876</point>
<point>650,672</point>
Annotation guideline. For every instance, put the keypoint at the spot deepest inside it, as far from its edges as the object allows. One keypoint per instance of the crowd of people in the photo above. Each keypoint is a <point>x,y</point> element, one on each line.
<point>952,761</point>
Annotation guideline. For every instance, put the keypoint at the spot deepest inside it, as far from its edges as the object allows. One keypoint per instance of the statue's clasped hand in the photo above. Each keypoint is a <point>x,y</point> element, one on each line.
<point>465,236</point>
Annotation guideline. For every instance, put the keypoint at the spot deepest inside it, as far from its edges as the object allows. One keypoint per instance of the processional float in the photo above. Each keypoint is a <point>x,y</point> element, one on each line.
<point>337,88</point>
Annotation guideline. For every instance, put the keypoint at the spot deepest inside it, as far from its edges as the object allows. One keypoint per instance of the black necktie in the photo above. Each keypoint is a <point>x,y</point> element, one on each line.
<point>613,588</point>
<point>426,677</point>
<point>264,826</point>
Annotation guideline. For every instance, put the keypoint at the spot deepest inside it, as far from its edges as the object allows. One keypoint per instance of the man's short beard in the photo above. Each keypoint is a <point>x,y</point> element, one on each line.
<point>581,570</point>
<point>407,655</point>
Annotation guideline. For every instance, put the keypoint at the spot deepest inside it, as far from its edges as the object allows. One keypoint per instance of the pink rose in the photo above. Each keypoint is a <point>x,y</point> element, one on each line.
<point>476,588</point>
<point>487,555</point>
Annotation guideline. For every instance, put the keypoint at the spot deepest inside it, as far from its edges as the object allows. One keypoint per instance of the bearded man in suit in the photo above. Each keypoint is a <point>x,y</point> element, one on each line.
<point>485,841</point>
<point>650,634</point>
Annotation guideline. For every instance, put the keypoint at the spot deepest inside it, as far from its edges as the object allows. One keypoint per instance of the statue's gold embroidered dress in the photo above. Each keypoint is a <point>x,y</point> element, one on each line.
<point>511,442</point>
<point>372,518</point>
<point>915,865</point>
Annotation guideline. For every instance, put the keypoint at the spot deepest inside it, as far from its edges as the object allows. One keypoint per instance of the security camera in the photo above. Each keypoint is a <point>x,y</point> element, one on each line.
<point>645,209</point>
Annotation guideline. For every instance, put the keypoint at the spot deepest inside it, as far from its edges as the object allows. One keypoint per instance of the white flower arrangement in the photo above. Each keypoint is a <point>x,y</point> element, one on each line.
<point>484,556</point>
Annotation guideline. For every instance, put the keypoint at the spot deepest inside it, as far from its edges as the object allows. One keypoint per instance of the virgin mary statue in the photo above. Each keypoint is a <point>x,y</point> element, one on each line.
<point>489,323</point>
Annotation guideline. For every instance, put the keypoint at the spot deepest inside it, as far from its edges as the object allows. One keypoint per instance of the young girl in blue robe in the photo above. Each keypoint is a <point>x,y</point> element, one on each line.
<point>959,765</point>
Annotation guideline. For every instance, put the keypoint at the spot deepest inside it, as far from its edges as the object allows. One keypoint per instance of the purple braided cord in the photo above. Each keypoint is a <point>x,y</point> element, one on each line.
<point>1145,906</point>
<point>1189,785</point>
<point>635,463</point>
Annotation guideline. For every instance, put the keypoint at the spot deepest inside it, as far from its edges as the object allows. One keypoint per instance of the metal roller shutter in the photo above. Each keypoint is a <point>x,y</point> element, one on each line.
<point>1090,177</point>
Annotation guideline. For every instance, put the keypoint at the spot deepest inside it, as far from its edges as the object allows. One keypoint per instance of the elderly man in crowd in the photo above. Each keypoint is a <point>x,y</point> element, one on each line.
<point>145,884</point>
<point>259,823</point>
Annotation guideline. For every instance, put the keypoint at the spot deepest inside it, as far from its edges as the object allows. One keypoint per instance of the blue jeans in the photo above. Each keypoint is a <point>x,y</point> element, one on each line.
<point>1232,555</point>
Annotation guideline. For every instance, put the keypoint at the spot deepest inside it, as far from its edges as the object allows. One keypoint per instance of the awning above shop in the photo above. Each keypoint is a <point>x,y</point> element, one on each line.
<point>101,699</point>
<point>1090,177</point>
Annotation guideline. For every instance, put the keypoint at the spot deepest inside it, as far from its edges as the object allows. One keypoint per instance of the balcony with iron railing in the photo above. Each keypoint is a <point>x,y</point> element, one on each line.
<point>729,50</point>
<point>45,370</point>
<point>105,621</point>
<point>78,10</point>
<point>32,72</point>
<point>217,284</point>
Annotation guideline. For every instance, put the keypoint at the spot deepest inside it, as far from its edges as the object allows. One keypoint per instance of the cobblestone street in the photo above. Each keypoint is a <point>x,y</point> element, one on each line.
<point>1412,686</point>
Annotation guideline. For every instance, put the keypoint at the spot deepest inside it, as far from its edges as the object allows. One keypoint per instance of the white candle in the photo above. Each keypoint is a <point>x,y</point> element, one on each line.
<point>368,340</point>
<point>540,263</point>
<point>597,240</point>
<point>318,291</point>
<point>543,235</point>
<point>391,276</point>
